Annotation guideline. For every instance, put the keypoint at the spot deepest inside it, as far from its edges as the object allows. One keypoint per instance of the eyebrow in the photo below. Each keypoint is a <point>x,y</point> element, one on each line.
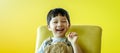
<point>64,19</point>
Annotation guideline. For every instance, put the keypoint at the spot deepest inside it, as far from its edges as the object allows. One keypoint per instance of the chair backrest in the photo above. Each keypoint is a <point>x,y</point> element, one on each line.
<point>89,37</point>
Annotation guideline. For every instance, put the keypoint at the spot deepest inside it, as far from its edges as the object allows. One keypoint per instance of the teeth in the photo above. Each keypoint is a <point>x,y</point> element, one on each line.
<point>59,29</point>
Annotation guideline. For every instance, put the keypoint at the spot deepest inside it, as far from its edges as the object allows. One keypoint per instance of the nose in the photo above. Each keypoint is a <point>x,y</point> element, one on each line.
<point>59,24</point>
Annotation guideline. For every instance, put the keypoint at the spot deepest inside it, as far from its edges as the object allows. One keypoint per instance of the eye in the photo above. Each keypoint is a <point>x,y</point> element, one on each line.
<point>55,22</point>
<point>63,21</point>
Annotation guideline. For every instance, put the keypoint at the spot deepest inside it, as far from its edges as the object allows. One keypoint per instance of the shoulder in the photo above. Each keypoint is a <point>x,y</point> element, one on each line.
<point>68,42</point>
<point>43,45</point>
<point>47,41</point>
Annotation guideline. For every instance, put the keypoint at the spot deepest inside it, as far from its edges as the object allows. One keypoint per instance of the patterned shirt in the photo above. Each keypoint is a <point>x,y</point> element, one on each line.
<point>54,40</point>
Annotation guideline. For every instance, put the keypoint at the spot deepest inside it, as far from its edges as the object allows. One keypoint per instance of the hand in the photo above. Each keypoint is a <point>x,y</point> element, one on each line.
<point>73,37</point>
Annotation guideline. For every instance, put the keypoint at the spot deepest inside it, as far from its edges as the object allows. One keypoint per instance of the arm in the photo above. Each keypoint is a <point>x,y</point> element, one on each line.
<point>73,39</point>
<point>41,49</point>
<point>76,48</point>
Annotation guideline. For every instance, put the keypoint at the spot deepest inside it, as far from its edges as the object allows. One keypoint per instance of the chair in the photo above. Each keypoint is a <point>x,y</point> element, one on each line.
<point>89,37</point>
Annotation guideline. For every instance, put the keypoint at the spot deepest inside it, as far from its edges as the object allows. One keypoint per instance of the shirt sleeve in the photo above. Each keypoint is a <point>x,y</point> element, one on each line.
<point>41,49</point>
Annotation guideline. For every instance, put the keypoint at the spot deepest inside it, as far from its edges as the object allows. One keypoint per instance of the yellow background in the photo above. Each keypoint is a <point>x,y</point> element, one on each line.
<point>19,20</point>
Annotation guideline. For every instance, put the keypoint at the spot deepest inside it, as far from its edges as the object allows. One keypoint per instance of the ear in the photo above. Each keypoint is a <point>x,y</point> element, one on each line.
<point>48,26</point>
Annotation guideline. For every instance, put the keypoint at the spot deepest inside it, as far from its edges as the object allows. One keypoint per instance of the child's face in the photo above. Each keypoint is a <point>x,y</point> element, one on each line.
<point>59,26</point>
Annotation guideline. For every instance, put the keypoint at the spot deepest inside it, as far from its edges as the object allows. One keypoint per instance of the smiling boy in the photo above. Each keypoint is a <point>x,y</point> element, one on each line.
<point>58,21</point>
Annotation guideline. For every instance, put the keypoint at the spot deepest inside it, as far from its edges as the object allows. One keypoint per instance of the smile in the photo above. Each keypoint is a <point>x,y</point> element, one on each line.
<point>60,30</point>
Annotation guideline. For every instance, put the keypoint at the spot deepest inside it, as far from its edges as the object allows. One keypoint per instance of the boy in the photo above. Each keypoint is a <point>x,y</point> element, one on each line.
<point>59,22</point>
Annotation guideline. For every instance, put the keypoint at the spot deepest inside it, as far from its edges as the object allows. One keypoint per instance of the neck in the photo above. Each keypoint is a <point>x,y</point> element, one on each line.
<point>59,36</point>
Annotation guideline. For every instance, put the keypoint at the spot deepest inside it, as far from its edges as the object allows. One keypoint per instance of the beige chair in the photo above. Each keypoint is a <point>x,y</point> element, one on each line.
<point>89,37</point>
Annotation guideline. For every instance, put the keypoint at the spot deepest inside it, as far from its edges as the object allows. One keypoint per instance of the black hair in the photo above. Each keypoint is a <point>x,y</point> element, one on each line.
<point>55,12</point>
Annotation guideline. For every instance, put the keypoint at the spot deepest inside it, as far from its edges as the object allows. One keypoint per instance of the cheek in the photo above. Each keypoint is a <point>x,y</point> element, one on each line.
<point>67,27</point>
<point>52,26</point>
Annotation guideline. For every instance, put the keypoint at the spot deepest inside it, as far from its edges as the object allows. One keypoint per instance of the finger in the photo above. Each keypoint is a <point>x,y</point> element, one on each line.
<point>75,34</point>
<point>69,34</point>
<point>72,34</point>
